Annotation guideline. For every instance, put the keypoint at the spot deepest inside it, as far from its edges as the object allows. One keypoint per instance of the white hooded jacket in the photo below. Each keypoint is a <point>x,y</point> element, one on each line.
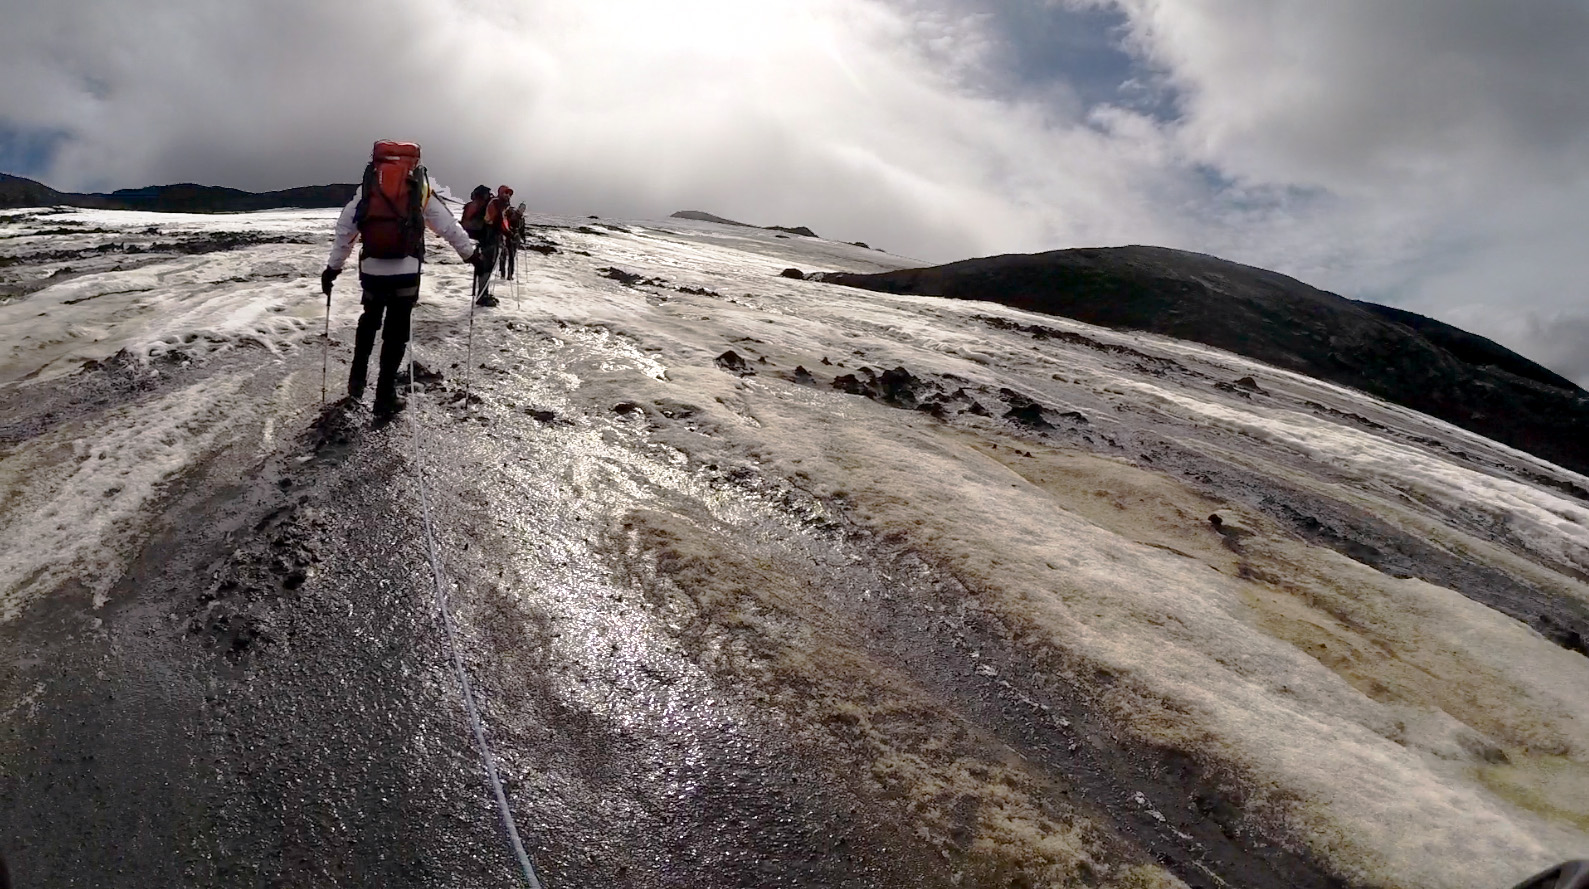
<point>437,218</point>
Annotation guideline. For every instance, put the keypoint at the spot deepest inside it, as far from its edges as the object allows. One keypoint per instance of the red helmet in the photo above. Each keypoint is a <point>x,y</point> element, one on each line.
<point>504,192</point>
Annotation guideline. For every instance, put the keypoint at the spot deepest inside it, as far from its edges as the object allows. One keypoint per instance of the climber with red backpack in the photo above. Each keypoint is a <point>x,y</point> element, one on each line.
<point>474,212</point>
<point>389,214</point>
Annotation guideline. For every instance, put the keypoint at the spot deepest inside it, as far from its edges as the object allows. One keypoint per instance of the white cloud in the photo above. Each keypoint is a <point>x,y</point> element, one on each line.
<point>1448,137</point>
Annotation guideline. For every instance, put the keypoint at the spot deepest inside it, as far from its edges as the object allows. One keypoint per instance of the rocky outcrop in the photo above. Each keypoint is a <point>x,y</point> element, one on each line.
<point>1396,355</point>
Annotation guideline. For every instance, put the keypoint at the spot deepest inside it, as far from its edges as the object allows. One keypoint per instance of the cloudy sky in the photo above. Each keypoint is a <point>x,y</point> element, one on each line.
<point>1431,154</point>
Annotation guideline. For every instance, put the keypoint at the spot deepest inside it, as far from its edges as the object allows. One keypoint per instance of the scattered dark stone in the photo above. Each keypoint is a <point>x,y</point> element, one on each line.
<point>1362,421</point>
<point>1231,533</point>
<point>541,416</point>
<point>1154,365</point>
<point>1025,411</point>
<point>424,377</point>
<point>1245,387</point>
<point>538,244</point>
<point>625,408</point>
<point>1570,638</point>
<point>849,383</point>
<point>900,386</point>
<point>698,291</point>
<point>861,244</point>
<point>592,217</point>
<point>826,361</point>
<point>977,408</point>
<point>796,274</point>
<point>619,275</point>
<point>781,236</point>
<point>733,363</point>
<point>1029,414</point>
<point>1076,417</point>
<point>676,410</point>
<point>803,376</point>
<point>629,279</point>
<point>793,230</point>
<point>337,426</point>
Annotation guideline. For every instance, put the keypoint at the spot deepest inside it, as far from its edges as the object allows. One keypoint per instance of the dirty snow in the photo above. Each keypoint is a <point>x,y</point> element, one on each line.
<point>1395,728</point>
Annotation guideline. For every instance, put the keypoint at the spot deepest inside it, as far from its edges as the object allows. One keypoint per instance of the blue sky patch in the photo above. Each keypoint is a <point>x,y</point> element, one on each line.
<point>27,152</point>
<point>1083,49</point>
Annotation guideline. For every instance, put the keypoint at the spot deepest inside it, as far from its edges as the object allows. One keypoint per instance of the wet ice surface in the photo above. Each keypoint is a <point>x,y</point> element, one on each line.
<point>968,622</point>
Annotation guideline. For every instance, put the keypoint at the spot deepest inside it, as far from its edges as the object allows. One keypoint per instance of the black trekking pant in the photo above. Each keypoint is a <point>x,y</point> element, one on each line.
<point>392,299</point>
<point>489,248</point>
<point>507,266</point>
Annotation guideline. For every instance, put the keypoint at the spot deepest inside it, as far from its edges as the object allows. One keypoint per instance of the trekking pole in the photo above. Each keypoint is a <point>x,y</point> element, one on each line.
<point>325,353</point>
<point>468,360</point>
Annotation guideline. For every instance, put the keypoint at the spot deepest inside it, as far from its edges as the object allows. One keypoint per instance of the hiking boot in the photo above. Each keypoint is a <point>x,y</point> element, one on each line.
<point>355,390</point>
<point>390,405</point>
<point>486,300</point>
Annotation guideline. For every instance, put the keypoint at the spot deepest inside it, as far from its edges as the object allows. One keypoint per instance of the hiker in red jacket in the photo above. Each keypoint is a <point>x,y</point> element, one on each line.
<point>390,213</point>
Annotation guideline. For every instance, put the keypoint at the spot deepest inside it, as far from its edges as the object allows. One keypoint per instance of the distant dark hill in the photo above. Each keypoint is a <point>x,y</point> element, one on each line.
<point>18,192</point>
<point>1396,355</point>
<point>184,198</point>
<point>702,216</point>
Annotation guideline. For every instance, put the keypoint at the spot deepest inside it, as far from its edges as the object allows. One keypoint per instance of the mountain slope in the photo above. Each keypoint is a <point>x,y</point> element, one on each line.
<point>1399,356</point>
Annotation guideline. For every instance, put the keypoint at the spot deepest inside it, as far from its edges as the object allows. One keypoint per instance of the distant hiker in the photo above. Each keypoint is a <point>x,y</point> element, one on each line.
<point>474,212</point>
<point>515,239</point>
<point>485,218</point>
<point>389,213</point>
<point>496,239</point>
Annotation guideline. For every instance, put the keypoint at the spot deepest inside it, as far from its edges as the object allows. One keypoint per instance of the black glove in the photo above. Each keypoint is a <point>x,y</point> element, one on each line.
<point>326,278</point>
<point>478,260</point>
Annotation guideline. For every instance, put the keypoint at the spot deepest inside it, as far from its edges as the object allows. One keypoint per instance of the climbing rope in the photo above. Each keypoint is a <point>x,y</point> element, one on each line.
<point>438,573</point>
<point>325,353</point>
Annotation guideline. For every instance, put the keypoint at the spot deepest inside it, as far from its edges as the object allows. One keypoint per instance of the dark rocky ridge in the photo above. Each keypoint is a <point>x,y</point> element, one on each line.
<point>1399,356</point>
<point>702,216</point>
<point>16,191</point>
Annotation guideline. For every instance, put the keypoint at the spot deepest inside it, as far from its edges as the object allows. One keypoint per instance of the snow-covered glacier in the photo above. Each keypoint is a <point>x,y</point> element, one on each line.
<point>759,581</point>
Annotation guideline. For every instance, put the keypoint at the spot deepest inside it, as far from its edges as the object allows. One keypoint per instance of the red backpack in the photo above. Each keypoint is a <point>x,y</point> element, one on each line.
<point>474,212</point>
<point>391,211</point>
